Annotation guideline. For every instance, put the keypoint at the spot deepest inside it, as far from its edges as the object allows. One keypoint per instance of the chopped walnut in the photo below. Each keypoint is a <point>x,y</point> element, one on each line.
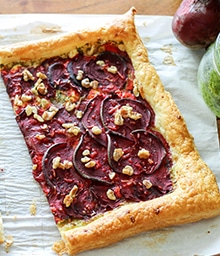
<point>34,91</point>
<point>34,167</point>
<point>75,130</point>
<point>67,125</point>
<point>27,75</point>
<point>70,197</point>
<point>150,161</point>
<point>73,191</point>
<point>71,128</point>
<point>111,175</point>
<point>68,200</point>
<point>100,63</point>
<point>143,153</point>
<point>96,130</point>
<point>50,113</point>
<point>111,195</point>
<point>147,184</point>
<point>30,110</point>
<point>112,69</point>
<point>44,102</point>
<point>135,115</point>
<point>66,164</point>
<point>85,83</point>
<point>117,154</point>
<point>26,98</point>
<point>72,194</point>
<point>42,89</point>
<point>85,159</point>
<point>127,111</point>
<point>128,170</point>
<point>70,106</point>
<point>58,164</point>
<point>39,87</point>
<point>118,120</point>
<point>86,152</point>
<point>94,84</point>
<point>18,101</point>
<point>44,126</point>
<point>80,75</point>
<point>79,114</point>
<point>38,118</point>
<point>40,136</point>
<point>41,75</point>
<point>90,164</point>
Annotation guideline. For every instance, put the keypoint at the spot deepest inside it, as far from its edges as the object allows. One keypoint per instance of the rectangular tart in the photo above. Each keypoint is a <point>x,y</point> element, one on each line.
<point>191,192</point>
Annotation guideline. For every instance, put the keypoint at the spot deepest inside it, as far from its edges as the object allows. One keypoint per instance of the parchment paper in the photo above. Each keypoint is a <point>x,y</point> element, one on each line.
<point>177,67</point>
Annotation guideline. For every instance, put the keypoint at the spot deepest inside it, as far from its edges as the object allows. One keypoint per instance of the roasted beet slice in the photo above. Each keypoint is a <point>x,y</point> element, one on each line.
<point>58,76</point>
<point>61,177</point>
<point>75,66</point>
<point>71,70</point>
<point>92,200</point>
<point>119,151</point>
<point>62,170</point>
<point>47,162</point>
<point>122,116</point>
<point>84,205</point>
<point>91,160</point>
<point>92,122</point>
<point>108,69</point>
<point>142,155</point>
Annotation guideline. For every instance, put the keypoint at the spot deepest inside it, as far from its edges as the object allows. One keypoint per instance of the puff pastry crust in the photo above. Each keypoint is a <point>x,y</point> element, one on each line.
<point>196,194</point>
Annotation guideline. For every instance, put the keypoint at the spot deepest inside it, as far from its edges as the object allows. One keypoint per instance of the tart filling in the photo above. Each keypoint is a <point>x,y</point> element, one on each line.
<point>91,138</point>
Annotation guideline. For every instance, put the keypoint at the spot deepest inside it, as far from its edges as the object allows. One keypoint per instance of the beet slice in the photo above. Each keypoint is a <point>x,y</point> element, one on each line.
<point>97,154</point>
<point>77,64</point>
<point>144,154</point>
<point>60,182</point>
<point>115,142</point>
<point>58,76</point>
<point>111,107</point>
<point>91,119</point>
<point>47,160</point>
<point>101,69</point>
<point>84,206</point>
<point>71,69</point>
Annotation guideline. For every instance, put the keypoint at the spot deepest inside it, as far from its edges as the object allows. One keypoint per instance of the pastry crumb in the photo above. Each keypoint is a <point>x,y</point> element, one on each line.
<point>167,48</point>
<point>168,60</point>
<point>1,230</point>
<point>8,243</point>
<point>59,247</point>
<point>46,29</point>
<point>33,209</point>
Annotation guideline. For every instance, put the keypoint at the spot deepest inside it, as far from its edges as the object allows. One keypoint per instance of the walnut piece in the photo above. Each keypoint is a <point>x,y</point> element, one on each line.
<point>128,170</point>
<point>117,154</point>
<point>111,195</point>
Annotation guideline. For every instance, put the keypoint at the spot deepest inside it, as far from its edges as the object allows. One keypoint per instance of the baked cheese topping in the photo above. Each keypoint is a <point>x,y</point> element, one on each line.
<point>91,138</point>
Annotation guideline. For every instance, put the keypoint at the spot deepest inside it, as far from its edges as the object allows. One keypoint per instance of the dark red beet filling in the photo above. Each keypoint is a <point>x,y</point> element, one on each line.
<point>151,171</point>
